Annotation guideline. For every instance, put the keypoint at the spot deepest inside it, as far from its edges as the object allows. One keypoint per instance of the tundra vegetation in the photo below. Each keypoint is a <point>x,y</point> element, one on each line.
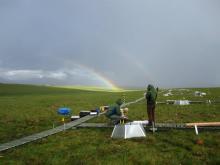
<point>27,109</point>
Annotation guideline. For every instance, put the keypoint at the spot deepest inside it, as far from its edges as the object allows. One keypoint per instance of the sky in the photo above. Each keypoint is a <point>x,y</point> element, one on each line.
<point>110,43</point>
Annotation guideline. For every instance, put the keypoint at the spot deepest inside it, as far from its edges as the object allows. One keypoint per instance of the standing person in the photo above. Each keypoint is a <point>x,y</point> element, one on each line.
<point>151,97</point>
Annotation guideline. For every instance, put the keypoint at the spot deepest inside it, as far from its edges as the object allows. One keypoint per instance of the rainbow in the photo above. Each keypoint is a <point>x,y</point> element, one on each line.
<point>104,82</point>
<point>139,65</point>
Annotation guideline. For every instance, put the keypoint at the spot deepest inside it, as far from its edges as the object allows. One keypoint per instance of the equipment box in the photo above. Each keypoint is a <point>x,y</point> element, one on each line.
<point>84,113</point>
<point>73,118</point>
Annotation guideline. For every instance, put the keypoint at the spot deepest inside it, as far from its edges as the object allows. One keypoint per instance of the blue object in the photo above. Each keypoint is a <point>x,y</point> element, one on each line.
<point>63,111</point>
<point>98,110</point>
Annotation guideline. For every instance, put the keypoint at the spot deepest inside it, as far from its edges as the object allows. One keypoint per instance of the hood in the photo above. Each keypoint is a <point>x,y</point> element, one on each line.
<point>150,87</point>
<point>119,102</point>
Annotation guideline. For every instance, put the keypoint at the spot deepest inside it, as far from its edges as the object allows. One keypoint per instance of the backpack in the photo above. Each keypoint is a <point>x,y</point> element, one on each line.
<point>151,97</point>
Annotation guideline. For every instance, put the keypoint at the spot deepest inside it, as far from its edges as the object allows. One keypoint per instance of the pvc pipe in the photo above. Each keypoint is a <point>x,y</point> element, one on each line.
<point>196,129</point>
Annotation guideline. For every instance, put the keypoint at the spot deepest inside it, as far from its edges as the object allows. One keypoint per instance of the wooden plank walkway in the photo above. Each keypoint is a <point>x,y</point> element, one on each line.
<point>157,125</point>
<point>80,124</point>
<point>105,125</point>
<point>43,134</point>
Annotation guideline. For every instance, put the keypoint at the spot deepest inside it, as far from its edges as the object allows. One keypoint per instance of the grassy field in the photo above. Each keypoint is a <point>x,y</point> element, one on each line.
<point>26,109</point>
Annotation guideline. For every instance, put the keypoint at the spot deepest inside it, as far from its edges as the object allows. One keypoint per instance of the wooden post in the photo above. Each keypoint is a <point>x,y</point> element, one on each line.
<point>205,124</point>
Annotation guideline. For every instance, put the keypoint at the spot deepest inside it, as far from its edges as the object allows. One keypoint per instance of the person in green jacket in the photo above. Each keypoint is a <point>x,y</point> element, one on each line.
<point>114,112</point>
<point>151,97</point>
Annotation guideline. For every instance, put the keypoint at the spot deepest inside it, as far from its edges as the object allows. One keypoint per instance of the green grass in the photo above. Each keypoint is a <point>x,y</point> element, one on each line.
<point>92,88</point>
<point>26,109</point>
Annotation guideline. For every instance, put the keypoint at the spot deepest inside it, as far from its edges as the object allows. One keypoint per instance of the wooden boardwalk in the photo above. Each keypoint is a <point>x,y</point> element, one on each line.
<point>80,124</point>
<point>44,134</point>
<point>105,125</point>
<point>157,125</point>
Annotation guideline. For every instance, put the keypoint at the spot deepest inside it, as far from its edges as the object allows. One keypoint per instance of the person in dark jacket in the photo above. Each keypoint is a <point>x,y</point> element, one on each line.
<point>151,97</point>
<point>114,112</point>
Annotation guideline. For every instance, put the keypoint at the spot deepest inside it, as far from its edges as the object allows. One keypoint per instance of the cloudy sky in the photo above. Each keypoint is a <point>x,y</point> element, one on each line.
<point>104,42</point>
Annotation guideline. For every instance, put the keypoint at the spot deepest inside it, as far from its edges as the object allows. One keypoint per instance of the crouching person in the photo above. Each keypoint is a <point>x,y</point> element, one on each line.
<point>114,112</point>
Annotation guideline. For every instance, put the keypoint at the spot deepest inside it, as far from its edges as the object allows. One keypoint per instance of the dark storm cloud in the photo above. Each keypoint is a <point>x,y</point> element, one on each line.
<point>169,43</point>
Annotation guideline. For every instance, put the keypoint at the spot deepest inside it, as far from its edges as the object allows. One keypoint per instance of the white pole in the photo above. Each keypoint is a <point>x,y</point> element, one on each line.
<point>196,130</point>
